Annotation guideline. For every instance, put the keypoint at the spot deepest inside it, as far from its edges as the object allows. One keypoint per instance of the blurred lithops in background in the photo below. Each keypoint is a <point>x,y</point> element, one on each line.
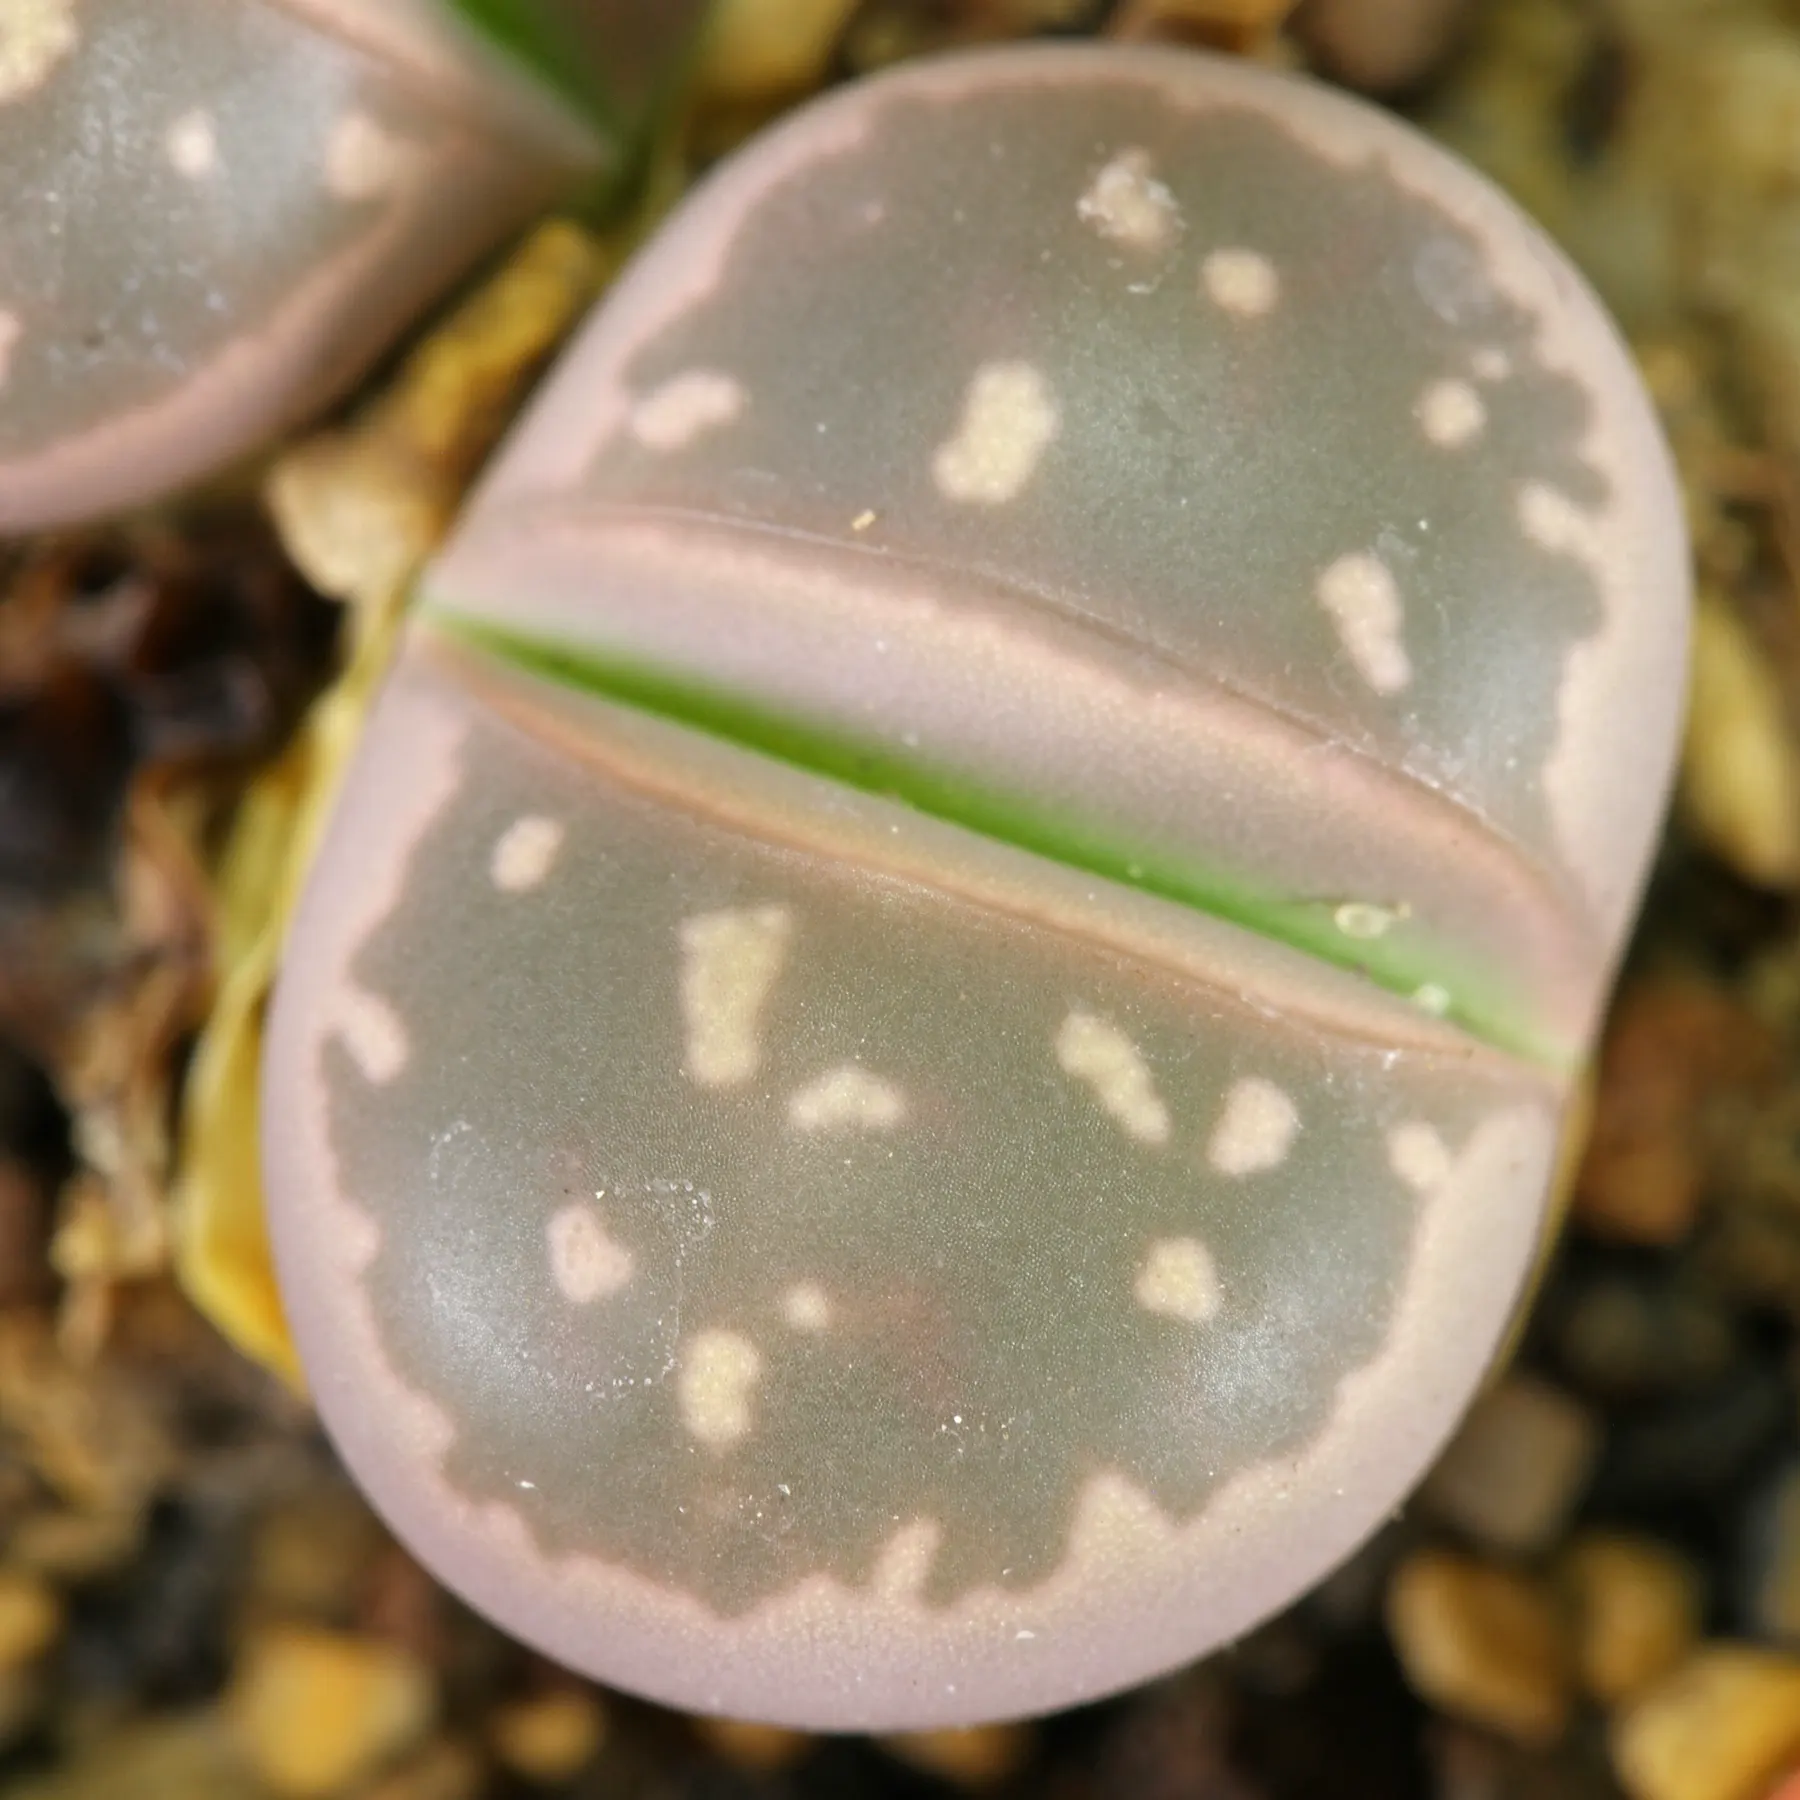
<point>923,1061</point>
<point>215,217</point>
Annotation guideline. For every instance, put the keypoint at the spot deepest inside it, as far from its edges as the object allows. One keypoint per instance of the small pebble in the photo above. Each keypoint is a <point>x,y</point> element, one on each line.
<point>445,1770</point>
<point>1675,1045</point>
<point>1483,1643</point>
<point>1636,1605</point>
<point>1776,1600</point>
<point>1513,1473</point>
<point>175,1756</point>
<point>762,1749</point>
<point>311,1554</point>
<point>762,48</point>
<point>24,1214</point>
<point>318,1711</point>
<point>1379,46</point>
<point>975,1756</point>
<point>1467,1764</point>
<point>1622,1338</point>
<point>550,1737</point>
<point>31,1619</point>
<point>1753,1254</point>
<point>1740,766</point>
<point>25,1696</point>
<point>1246,27</point>
<point>1725,1725</point>
<point>66,1546</point>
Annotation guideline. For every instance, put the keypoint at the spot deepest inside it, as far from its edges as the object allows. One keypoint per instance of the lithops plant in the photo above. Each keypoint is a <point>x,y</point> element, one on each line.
<point>921,1067</point>
<point>217,213</point>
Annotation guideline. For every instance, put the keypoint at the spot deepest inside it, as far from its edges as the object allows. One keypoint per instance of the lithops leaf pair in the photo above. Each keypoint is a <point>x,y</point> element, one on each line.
<point>217,213</point>
<point>921,1068</point>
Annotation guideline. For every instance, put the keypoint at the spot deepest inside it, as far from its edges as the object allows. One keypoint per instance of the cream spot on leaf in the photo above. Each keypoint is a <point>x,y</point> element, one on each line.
<point>1359,594</point>
<point>1365,920</point>
<point>717,1380</point>
<point>806,1306</point>
<point>730,961</point>
<point>1554,522</point>
<point>849,1096</point>
<point>364,159</point>
<point>1128,205</point>
<point>35,35</point>
<point>586,1262</point>
<point>524,853</point>
<point>1491,363</point>
<point>372,1033</point>
<point>685,407</point>
<point>1418,1156</point>
<point>1009,419</point>
<point>1255,1131</point>
<point>192,144</point>
<point>1241,282</point>
<point>1451,414</point>
<point>1101,1055</point>
<point>1179,1280</point>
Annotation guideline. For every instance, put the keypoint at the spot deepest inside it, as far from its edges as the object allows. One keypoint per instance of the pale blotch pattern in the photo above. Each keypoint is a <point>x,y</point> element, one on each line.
<point>729,964</point>
<point>1128,205</point>
<point>719,1373</point>
<point>1556,523</point>
<point>1116,1525</point>
<point>192,144</point>
<point>586,1262</point>
<point>1009,420</point>
<point>1241,282</point>
<point>1451,414</point>
<point>1551,519</point>
<point>905,1561</point>
<point>1255,1131</point>
<point>1102,1056</point>
<point>806,1307</point>
<point>1592,809</point>
<point>848,1097</point>
<point>685,407</point>
<point>372,1033</point>
<point>1418,1156</point>
<point>11,329</point>
<point>1491,363</point>
<point>1364,604</point>
<point>524,853</point>
<point>1179,1280</point>
<point>35,35</point>
<point>364,160</point>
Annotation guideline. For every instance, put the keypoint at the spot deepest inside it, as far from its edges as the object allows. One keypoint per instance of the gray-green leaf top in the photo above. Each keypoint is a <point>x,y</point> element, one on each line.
<point>922,1065</point>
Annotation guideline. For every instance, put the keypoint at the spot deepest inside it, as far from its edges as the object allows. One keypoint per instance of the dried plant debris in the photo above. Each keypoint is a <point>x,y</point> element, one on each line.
<point>143,672</point>
<point>194,1603</point>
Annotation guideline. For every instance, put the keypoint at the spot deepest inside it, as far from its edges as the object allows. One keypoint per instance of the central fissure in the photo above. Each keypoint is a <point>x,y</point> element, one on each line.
<point>1345,933</point>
